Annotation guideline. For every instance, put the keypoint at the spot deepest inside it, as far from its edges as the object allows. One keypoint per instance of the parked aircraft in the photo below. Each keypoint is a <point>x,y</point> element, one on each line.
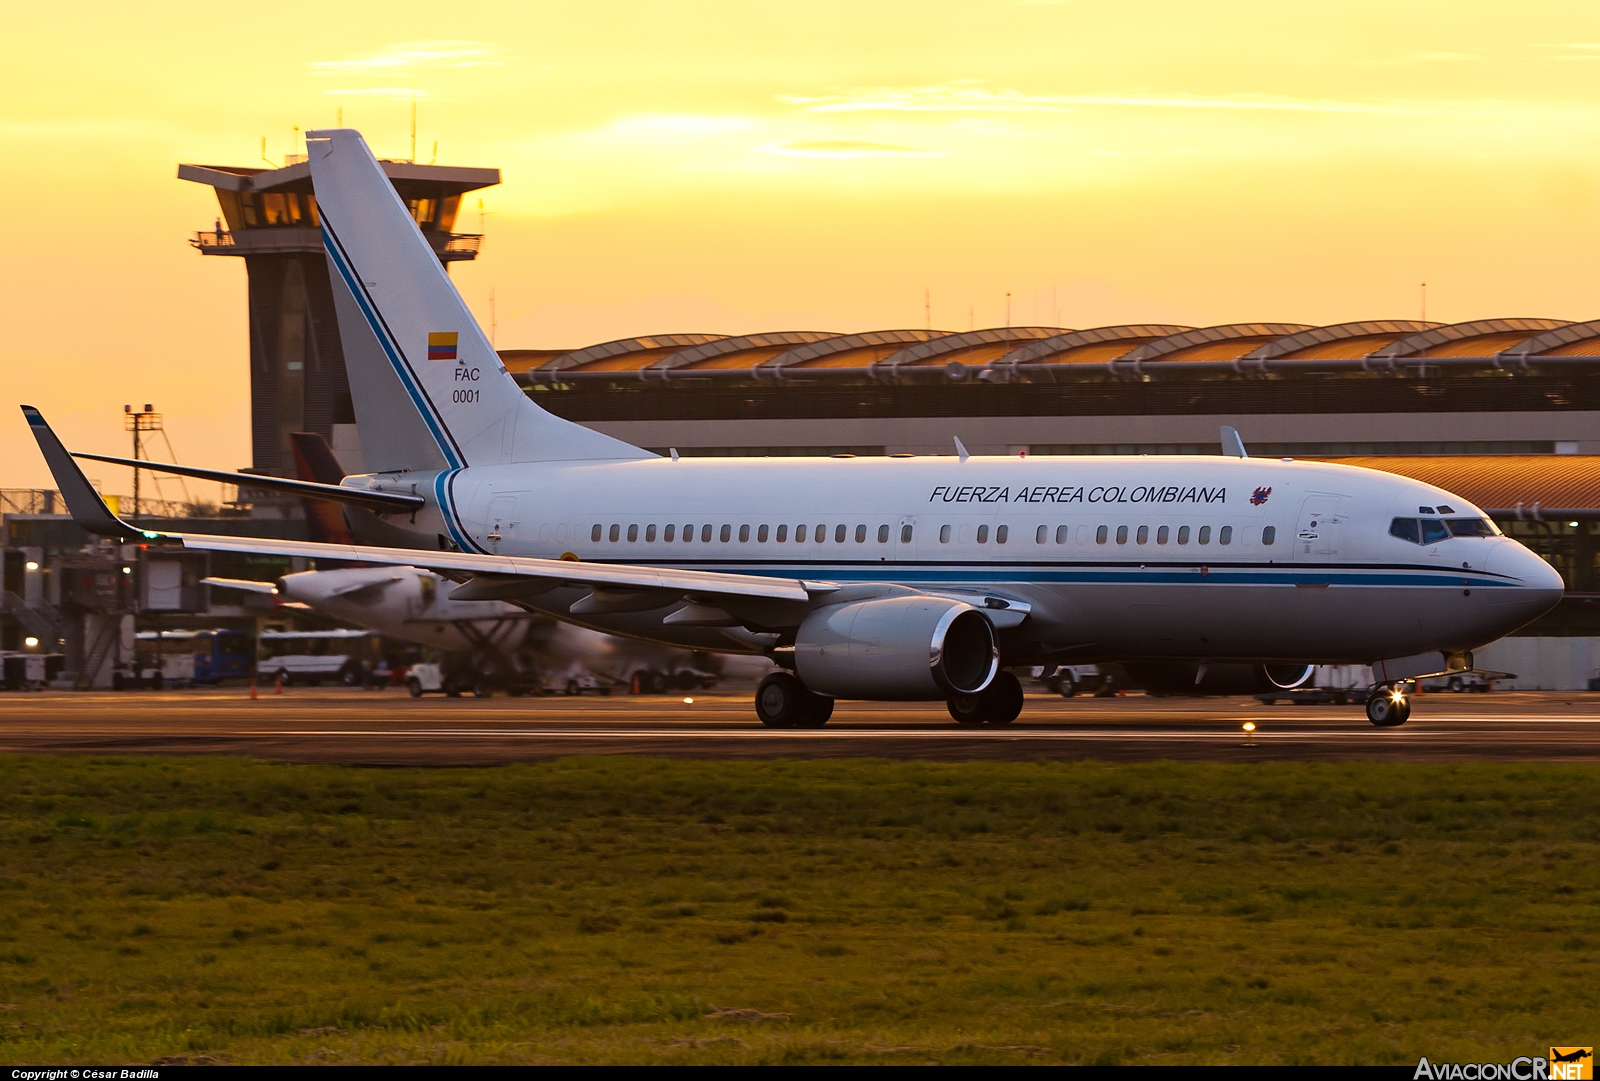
<point>892,578</point>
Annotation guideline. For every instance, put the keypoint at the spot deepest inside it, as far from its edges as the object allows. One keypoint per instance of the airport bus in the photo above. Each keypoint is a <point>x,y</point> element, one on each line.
<point>341,655</point>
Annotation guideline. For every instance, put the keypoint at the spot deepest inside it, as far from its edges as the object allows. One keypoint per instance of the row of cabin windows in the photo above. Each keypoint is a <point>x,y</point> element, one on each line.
<point>1163,534</point>
<point>725,534</point>
<point>1102,534</point>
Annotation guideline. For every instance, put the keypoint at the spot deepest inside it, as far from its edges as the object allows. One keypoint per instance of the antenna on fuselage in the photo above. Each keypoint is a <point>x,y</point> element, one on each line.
<point>961,450</point>
<point>1232,445</point>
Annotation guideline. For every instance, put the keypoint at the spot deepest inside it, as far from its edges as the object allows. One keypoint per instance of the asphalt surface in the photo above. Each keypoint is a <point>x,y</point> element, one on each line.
<point>389,728</point>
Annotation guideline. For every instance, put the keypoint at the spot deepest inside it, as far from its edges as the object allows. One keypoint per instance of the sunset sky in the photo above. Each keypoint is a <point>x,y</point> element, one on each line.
<point>735,167</point>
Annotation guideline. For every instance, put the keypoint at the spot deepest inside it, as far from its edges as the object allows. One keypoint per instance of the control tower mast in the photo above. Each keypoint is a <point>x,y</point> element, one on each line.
<point>269,217</point>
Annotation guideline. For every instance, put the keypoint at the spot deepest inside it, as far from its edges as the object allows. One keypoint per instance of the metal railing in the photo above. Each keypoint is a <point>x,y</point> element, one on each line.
<point>30,501</point>
<point>464,242</point>
<point>212,240</point>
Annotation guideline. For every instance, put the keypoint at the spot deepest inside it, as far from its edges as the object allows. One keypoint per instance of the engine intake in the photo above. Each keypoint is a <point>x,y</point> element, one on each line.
<point>897,648</point>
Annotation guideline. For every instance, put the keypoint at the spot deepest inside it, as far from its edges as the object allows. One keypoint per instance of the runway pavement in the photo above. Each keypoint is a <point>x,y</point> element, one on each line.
<point>389,728</point>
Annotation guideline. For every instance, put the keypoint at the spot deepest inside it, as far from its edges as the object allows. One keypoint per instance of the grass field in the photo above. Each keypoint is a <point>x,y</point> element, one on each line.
<point>632,910</point>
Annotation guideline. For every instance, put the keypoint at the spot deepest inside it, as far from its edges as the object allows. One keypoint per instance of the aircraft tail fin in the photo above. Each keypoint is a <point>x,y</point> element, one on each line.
<point>84,503</point>
<point>314,461</point>
<point>429,391</point>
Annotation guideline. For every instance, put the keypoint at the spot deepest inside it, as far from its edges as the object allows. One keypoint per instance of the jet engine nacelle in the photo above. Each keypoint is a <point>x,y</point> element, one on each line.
<point>1182,678</point>
<point>908,648</point>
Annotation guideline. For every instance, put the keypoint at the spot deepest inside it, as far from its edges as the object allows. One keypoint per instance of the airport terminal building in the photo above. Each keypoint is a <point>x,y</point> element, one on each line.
<point>1505,412</point>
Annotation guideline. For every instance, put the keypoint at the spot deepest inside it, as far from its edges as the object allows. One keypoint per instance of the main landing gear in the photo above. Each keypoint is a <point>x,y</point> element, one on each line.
<point>1389,707</point>
<point>782,701</point>
<point>998,703</point>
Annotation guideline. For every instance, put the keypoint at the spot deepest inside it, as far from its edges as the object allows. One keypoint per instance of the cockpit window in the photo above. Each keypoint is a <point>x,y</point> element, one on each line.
<point>1405,529</point>
<point>1433,531</point>
<point>1470,527</point>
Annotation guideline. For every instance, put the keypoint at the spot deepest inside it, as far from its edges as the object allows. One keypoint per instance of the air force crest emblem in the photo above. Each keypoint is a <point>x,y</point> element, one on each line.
<point>1259,496</point>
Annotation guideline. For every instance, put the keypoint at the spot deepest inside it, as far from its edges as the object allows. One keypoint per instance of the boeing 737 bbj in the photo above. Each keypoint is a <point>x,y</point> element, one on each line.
<point>896,578</point>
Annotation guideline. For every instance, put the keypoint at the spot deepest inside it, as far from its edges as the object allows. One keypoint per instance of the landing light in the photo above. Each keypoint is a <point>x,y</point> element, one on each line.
<point>1397,695</point>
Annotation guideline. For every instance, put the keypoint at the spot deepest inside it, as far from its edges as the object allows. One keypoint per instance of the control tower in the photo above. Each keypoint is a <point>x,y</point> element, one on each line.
<point>269,217</point>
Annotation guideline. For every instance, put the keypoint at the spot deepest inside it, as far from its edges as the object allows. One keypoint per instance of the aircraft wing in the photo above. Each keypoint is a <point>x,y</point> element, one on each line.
<point>383,502</point>
<point>493,577</point>
<point>502,575</point>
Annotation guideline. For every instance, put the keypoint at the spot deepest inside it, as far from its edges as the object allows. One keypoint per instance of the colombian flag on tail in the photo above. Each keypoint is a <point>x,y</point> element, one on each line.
<point>442,345</point>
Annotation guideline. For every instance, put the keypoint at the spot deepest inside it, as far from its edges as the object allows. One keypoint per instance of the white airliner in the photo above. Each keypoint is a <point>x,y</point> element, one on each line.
<point>898,578</point>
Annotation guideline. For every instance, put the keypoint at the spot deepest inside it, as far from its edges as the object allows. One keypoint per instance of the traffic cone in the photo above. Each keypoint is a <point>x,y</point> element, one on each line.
<point>253,689</point>
<point>277,683</point>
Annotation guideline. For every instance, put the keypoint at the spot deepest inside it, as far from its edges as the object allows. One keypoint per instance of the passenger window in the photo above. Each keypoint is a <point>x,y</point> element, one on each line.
<point>1205,534</point>
<point>905,534</point>
<point>1470,527</point>
<point>650,534</point>
<point>761,535</point>
<point>944,534</point>
<point>1143,535</point>
<point>838,534</point>
<point>1269,534</point>
<point>1000,534</point>
<point>1433,531</point>
<point>744,534</point>
<point>821,533</point>
<point>1122,534</point>
<point>705,534</point>
<point>783,533</point>
<point>726,533</point>
<point>633,534</point>
<point>983,534</point>
<point>668,533</point>
<point>1183,534</point>
<point>1039,534</point>
<point>883,534</point>
<point>799,533</point>
<point>1100,535</point>
<point>688,533</point>
<point>616,531</point>
<point>861,534</point>
<point>594,534</point>
<point>1061,534</point>
<point>1161,535</point>
<point>1225,535</point>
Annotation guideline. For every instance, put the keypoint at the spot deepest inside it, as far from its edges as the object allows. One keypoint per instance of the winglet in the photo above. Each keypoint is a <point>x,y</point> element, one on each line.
<point>961,449</point>
<point>88,509</point>
<point>1232,445</point>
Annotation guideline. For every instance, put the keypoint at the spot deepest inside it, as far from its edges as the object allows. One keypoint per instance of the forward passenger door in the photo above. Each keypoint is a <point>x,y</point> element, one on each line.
<point>1321,521</point>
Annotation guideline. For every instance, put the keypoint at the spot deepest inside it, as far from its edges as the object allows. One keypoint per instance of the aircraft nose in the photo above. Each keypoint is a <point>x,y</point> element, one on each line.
<point>1538,585</point>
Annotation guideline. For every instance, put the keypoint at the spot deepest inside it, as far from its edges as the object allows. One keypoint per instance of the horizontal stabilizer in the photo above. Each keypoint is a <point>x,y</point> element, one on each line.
<point>383,502</point>
<point>246,585</point>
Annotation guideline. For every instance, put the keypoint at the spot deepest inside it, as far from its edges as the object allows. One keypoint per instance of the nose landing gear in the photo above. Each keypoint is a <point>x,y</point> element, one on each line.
<point>1389,707</point>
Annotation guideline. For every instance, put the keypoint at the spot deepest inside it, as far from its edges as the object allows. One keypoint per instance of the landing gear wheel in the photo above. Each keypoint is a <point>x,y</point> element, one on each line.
<point>782,701</point>
<point>1386,709</point>
<point>1067,688</point>
<point>1004,695</point>
<point>482,689</point>
<point>998,703</point>
<point>967,709</point>
<point>817,712</point>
